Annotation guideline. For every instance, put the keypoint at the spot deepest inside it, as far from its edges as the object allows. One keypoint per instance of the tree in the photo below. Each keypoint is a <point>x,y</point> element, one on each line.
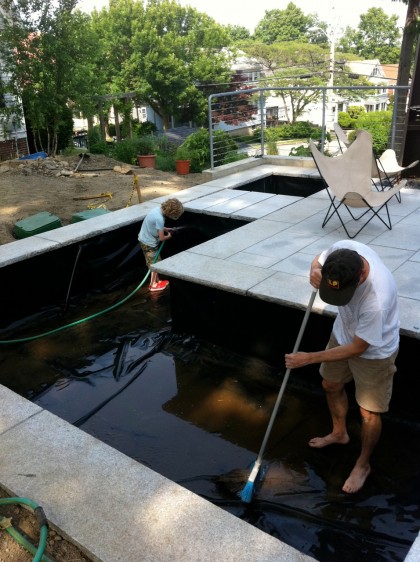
<point>238,33</point>
<point>299,65</point>
<point>175,50</point>
<point>377,37</point>
<point>115,28</point>
<point>290,24</point>
<point>233,110</point>
<point>48,54</point>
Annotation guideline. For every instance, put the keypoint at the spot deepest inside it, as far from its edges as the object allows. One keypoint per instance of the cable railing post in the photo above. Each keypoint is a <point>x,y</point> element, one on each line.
<point>323,126</point>
<point>211,134</point>
<point>394,118</point>
<point>262,100</point>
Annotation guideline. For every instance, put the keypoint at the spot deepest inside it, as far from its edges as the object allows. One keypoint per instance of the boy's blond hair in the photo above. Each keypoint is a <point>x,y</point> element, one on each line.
<point>172,208</point>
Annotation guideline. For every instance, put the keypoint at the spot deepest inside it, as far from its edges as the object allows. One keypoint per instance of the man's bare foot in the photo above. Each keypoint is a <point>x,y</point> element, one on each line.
<point>356,480</point>
<point>330,439</point>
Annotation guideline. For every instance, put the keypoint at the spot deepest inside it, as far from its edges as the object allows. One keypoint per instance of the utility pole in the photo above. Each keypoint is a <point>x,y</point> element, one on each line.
<point>330,96</point>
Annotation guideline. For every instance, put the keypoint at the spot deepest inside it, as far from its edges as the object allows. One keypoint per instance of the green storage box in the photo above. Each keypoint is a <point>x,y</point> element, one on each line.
<point>89,214</point>
<point>42,222</point>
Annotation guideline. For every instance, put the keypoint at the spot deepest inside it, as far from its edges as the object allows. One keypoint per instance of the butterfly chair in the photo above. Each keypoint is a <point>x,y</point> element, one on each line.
<point>389,168</point>
<point>348,181</point>
<point>385,170</point>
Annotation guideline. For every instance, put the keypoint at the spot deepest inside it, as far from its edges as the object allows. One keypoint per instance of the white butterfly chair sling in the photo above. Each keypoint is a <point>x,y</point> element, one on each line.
<point>388,167</point>
<point>386,171</point>
<point>349,184</point>
<point>380,179</point>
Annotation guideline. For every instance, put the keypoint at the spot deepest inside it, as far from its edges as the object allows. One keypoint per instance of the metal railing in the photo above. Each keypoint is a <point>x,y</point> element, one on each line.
<point>243,113</point>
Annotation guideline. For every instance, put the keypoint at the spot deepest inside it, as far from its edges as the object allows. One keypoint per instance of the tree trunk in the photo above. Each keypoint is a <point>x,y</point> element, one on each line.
<point>165,120</point>
<point>400,105</point>
<point>117,123</point>
<point>101,120</point>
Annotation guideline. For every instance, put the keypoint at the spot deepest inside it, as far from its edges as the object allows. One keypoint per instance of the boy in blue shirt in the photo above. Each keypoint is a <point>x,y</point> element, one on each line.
<point>153,231</point>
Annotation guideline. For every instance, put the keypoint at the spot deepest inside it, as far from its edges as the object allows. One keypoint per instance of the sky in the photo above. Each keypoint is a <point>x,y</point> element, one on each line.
<point>338,13</point>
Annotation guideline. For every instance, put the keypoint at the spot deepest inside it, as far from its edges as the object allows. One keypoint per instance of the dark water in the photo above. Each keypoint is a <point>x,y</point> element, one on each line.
<point>194,412</point>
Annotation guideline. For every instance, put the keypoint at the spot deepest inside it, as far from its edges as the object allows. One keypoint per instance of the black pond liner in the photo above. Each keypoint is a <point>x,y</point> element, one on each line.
<point>185,381</point>
<point>285,185</point>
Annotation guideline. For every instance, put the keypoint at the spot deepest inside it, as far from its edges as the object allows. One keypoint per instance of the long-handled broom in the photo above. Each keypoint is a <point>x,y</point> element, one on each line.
<point>247,493</point>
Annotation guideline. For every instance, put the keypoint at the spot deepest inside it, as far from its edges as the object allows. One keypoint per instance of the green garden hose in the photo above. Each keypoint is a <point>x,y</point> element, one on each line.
<point>82,320</point>
<point>5,524</point>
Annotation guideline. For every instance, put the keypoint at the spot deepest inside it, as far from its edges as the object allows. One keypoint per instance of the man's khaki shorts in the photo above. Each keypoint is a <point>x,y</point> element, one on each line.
<point>150,254</point>
<point>372,378</point>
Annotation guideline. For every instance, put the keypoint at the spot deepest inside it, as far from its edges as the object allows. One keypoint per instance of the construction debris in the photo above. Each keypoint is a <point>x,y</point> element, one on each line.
<point>108,195</point>
<point>122,170</point>
<point>63,167</point>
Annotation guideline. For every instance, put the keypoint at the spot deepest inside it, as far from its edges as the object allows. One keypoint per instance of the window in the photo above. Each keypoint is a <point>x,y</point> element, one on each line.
<point>252,75</point>
<point>272,112</point>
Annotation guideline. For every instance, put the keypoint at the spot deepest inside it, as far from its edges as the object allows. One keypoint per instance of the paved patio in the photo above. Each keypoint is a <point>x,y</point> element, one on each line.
<point>269,258</point>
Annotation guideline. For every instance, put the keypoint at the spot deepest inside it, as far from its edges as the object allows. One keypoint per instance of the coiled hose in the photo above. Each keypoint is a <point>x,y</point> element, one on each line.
<point>6,524</point>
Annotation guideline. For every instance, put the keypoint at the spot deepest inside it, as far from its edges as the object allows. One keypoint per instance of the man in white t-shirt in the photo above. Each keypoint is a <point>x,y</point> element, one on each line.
<point>363,345</point>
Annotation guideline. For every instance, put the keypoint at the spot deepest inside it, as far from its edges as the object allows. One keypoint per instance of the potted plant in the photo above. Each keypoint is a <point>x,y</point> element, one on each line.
<point>182,160</point>
<point>146,155</point>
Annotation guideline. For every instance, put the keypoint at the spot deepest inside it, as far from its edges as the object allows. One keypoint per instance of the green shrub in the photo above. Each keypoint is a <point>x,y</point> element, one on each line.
<point>183,153</point>
<point>145,128</point>
<point>356,111</point>
<point>300,150</point>
<point>224,147</point>
<point>71,150</point>
<point>100,147</point>
<point>165,162</point>
<point>198,146</point>
<point>235,157</point>
<point>298,130</point>
<point>125,151</point>
<point>93,136</point>
<point>146,144</point>
<point>378,123</point>
<point>344,120</point>
<point>347,119</point>
<point>272,148</point>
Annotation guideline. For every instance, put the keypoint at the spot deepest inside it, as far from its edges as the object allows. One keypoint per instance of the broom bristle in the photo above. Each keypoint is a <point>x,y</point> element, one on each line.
<point>247,493</point>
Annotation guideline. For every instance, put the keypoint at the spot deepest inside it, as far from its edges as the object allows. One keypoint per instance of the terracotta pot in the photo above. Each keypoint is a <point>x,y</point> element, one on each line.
<point>147,160</point>
<point>182,167</point>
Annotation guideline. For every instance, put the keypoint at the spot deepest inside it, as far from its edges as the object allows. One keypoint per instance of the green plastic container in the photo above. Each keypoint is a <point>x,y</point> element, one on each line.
<point>89,214</point>
<point>41,222</point>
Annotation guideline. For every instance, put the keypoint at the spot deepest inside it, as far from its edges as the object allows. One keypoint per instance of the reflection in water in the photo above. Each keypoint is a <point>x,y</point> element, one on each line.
<point>197,413</point>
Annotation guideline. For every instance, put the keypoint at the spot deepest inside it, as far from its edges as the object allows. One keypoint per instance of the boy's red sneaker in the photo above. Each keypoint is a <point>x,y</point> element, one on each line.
<point>161,286</point>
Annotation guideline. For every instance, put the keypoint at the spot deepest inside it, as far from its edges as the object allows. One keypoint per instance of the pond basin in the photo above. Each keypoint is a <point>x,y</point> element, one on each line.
<point>206,365</point>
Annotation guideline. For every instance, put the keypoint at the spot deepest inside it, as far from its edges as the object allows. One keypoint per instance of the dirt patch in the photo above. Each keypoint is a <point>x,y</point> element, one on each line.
<point>24,521</point>
<point>52,185</point>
